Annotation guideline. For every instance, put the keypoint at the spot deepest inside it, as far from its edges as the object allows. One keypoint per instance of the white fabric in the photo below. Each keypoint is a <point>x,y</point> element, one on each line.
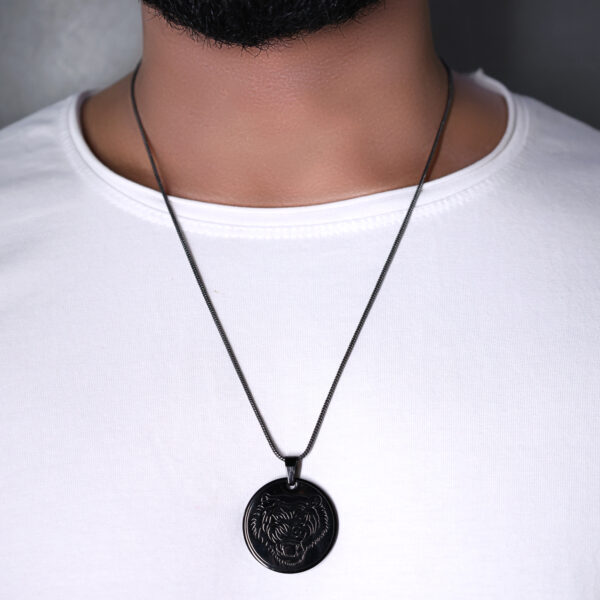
<point>462,447</point>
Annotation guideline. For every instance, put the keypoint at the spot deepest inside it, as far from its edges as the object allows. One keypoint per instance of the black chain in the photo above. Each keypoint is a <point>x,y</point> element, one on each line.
<point>367,309</point>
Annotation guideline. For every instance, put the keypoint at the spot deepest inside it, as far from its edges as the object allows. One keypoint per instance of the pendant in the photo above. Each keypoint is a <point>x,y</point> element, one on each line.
<point>290,524</point>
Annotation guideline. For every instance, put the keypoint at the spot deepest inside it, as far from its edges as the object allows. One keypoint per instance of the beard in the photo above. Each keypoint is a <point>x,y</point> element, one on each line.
<point>257,24</point>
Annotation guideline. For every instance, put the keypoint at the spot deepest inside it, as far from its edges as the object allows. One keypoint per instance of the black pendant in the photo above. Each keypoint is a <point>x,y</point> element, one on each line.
<point>290,524</point>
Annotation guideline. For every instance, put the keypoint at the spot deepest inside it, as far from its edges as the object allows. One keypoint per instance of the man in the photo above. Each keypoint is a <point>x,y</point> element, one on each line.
<point>461,448</point>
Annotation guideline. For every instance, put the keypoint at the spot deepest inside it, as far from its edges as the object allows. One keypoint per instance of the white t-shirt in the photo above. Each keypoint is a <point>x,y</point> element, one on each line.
<point>462,446</point>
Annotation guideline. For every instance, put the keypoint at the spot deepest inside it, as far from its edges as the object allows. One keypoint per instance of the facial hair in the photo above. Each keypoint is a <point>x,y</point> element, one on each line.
<point>257,24</point>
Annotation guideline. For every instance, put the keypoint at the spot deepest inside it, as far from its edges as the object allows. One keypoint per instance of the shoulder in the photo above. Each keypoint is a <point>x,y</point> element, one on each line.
<point>35,166</point>
<point>33,134</point>
<point>549,192</point>
<point>559,146</point>
<point>552,168</point>
<point>551,144</point>
<point>561,161</point>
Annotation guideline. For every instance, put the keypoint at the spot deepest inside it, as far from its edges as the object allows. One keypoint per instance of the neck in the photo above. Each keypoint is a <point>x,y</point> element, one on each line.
<point>343,113</point>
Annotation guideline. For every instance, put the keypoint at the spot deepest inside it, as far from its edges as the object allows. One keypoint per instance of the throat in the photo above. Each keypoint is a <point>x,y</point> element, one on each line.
<point>297,158</point>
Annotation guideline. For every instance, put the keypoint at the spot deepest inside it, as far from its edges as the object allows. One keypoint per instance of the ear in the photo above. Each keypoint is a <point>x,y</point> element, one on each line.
<point>315,501</point>
<point>267,500</point>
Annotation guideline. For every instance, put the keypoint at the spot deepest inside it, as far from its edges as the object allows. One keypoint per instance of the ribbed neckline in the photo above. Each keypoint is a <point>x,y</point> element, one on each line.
<point>339,216</point>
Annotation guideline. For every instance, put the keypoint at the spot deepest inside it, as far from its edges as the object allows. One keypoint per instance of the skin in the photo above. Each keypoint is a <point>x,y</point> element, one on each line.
<point>342,113</point>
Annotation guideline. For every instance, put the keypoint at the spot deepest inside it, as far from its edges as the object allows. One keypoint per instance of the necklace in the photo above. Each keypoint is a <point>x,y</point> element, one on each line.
<point>291,524</point>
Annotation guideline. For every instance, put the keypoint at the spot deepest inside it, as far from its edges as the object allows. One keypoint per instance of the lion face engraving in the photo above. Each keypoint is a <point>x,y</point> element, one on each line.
<point>289,526</point>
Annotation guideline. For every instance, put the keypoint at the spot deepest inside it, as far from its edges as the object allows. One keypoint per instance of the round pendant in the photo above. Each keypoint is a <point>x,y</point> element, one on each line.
<point>290,529</point>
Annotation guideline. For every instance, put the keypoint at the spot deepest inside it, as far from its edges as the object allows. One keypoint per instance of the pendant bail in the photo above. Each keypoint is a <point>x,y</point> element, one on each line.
<point>292,464</point>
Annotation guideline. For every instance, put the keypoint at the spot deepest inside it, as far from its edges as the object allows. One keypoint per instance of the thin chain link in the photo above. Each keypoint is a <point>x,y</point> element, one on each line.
<point>386,266</point>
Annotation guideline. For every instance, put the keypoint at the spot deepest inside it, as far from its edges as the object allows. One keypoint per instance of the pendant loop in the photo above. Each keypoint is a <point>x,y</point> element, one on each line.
<point>292,464</point>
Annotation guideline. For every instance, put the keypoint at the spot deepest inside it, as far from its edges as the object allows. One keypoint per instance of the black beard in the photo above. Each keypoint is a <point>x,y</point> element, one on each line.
<point>257,23</point>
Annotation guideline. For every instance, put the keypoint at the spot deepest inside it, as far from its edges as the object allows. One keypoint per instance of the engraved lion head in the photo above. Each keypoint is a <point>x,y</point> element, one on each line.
<point>289,525</point>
